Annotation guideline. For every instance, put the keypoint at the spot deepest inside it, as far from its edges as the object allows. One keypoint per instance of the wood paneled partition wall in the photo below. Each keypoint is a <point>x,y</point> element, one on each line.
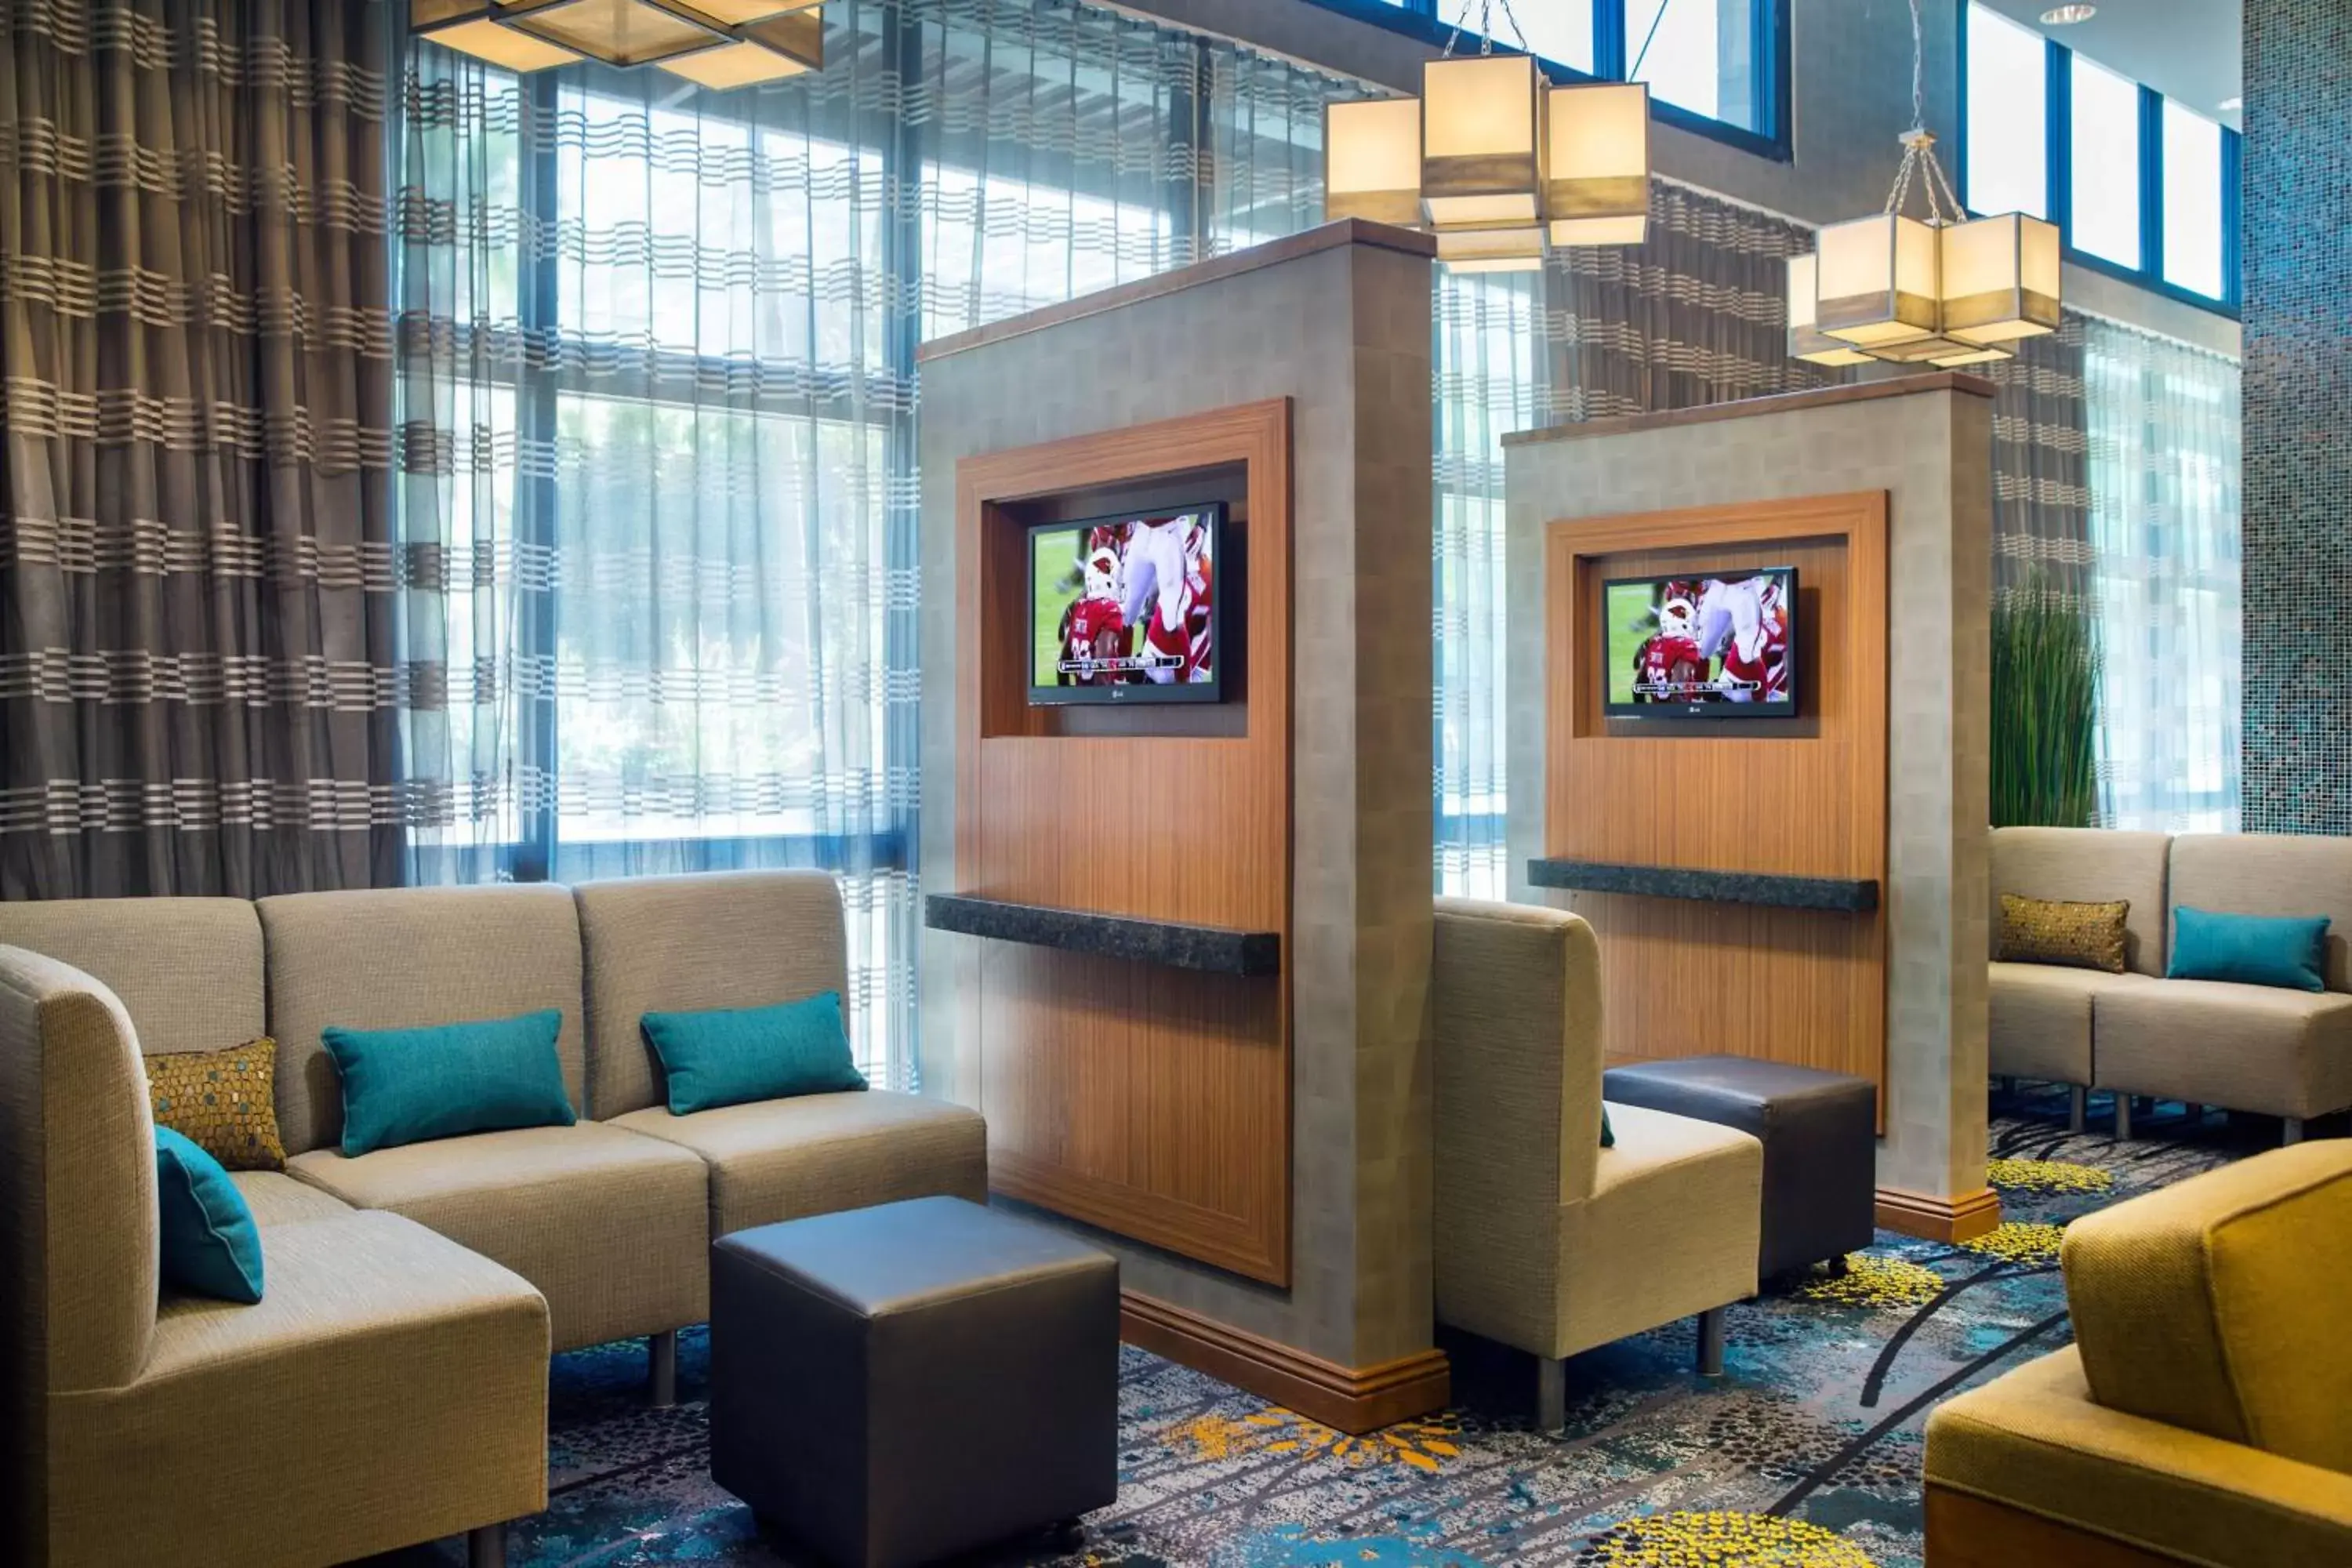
<point>1778,801</point>
<point>1151,1101</point>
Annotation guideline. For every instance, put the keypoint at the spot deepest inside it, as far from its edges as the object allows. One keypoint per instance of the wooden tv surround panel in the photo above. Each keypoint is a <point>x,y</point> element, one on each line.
<point>1759,845</point>
<point>1151,1098</point>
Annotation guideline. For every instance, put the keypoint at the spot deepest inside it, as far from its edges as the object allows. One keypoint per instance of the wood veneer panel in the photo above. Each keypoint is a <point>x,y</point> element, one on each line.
<point>1149,1102</point>
<point>1799,797</point>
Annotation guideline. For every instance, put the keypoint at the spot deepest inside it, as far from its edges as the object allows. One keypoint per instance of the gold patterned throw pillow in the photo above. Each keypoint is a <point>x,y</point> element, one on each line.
<point>225,1103</point>
<point>2046,931</point>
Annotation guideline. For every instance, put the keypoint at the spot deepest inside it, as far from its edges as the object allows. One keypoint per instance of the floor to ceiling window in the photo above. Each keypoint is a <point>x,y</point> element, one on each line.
<point>658,399</point>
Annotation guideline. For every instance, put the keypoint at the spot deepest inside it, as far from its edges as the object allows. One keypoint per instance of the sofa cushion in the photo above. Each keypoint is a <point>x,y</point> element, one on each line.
<point>781,1159</point>
<point>412,1085</point>
<point>225,1103</point>
<point>210,1245</point>
<point>2033,1439</point>
<point>2251,1047</point>
<point>2038,1018</point>
<point>188,971</point>
<point>2055,930</point>
<point>675,944</point>
<point>403,1378</point>
<point>2088,864</point>
<point>399,957</point>
<point>607,1225</point>
<point>2217,1303</point>
<point>277,1198</point>
<point>1701,1183</point>
<point>733,1056</point>
<point>2285,951</point>
<point>2272,874</point>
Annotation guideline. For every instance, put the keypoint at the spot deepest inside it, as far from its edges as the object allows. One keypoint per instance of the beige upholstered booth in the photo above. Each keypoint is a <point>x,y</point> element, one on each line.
<point>1545,1240</point>
<point>743,940</point>
<point>2261,1048</point>
<point>2038,1015</point>
<point>2251,1047</point>
<point>2200,1418</point>
<point>391,1384</point>
<point>390,1387</point>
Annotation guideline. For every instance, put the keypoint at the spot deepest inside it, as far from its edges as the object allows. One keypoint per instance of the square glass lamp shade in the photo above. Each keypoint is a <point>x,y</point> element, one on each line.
<point>1876,284</point>
<point>1483,141</point>
<point>2000,279</point>
<point>1597,163</point>
<point>1807,342</point>
<point>1372,161</point>
<point>731,42</point>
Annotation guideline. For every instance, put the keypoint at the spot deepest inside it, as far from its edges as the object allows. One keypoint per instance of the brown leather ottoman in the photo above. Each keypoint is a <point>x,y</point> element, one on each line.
<point>1820,1133</point>
<point>895,1384</point>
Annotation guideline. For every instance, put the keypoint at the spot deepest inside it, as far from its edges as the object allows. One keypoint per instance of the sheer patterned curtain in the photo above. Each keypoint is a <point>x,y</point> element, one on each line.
<point>2164,475</point>
<point>658,501</point>
<point>2041,444</point>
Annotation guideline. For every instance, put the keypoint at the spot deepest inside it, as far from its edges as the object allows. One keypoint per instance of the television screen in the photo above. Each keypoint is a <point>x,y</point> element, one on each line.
<point>1709,646</point>
<point>1124,609</point>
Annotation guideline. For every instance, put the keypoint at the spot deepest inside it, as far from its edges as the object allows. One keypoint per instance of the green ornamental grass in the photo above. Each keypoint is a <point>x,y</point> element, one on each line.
<point>2045,693</point>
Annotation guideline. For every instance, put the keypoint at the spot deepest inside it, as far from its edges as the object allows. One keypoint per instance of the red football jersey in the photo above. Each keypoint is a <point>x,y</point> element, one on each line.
<point>1666,660</point>
<point>1093,630</point>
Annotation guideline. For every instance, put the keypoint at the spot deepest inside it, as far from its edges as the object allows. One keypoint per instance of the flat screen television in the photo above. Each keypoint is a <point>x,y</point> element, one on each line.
<point>1701,645</point>
<point>1125,609</point>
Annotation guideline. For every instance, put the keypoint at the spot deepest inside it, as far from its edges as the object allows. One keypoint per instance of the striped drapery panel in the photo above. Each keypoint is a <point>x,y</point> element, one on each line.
<point>198,687</point>
<point>2040,473</point>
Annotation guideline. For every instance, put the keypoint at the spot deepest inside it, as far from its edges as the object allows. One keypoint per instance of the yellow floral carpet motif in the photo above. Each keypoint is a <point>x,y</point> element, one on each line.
<point>2047,1176</point>
<point>1721,1540</point>
<point>1873,1281</point>
<point>2020,1241</point>
<point>1424,1444</point>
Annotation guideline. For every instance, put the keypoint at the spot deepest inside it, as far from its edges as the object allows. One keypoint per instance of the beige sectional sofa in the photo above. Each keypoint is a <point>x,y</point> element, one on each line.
<point>2250,1047</point>
<point>391,1386</point>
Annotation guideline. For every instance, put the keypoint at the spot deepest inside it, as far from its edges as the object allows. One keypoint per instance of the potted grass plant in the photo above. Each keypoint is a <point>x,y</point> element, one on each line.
<point>2045,695</point>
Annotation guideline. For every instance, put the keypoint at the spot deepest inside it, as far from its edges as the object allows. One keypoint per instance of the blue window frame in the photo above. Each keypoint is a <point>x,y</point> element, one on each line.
<point>1717,68</point>
<point>2141,187</point>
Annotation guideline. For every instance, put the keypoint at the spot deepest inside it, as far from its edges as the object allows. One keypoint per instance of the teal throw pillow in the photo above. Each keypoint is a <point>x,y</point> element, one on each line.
<point>408,1086</point>
<point>1608,1133</point>
<point>211,1246</point>
<point>2285,951</point>
<point>732,1055</point>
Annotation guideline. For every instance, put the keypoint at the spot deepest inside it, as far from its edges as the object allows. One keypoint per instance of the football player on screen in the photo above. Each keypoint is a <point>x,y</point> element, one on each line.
<point>1746,625</point>
<point>1169,580</point>
<point>1094,624</point>
<point>1668,666</point>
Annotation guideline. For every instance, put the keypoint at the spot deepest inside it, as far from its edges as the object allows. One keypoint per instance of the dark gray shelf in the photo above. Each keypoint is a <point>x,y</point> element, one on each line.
<point>1214,950</point>
<point>1848,895</point>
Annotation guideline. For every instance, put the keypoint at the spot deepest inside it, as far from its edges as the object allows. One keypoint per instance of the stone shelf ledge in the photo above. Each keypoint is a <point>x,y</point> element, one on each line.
<point>1214,950</point>
<point>1773,890</point>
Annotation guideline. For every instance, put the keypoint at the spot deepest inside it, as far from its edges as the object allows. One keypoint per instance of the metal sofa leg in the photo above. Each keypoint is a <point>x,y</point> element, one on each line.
<point>2078,1100</point>
<point>486,1547</point>
<point>2123,1117</point>
<point>662,1391</point>
<point>1710,1343</point>
<point>2291,1131</point>
<point>1551,1393</point>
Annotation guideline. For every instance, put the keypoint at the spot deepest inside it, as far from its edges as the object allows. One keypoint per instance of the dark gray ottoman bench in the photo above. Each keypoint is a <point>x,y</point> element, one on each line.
<point>1820,1133</point>
<point>895,1384</point>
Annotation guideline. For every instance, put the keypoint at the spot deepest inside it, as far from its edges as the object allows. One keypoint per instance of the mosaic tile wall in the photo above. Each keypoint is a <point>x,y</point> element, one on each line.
<point>2298,415</point>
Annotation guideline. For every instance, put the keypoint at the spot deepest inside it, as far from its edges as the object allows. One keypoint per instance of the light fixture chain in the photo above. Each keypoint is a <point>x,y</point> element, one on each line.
<point>1919,72</point>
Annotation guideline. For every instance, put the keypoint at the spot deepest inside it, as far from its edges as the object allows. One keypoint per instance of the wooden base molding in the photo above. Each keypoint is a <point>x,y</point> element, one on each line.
<point>1966,1531</point>
<point>1961,1218</point>
<point>1353,1399</point>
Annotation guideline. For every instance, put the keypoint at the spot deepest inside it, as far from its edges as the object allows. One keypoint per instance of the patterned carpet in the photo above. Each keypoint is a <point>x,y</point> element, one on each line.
<point>1808,1453</point>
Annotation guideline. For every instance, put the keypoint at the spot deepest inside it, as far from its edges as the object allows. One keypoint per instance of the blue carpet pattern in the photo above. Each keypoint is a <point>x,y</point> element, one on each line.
<point>1807,1453</point>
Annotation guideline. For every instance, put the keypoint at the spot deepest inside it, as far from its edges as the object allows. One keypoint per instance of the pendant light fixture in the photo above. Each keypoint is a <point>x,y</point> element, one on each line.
<point>1493,159</point>
<point>711,43</point>
<point>1945,290</point>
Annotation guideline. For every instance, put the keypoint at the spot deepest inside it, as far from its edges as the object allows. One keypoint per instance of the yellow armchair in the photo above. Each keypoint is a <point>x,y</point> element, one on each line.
<point>2204,1415</point>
